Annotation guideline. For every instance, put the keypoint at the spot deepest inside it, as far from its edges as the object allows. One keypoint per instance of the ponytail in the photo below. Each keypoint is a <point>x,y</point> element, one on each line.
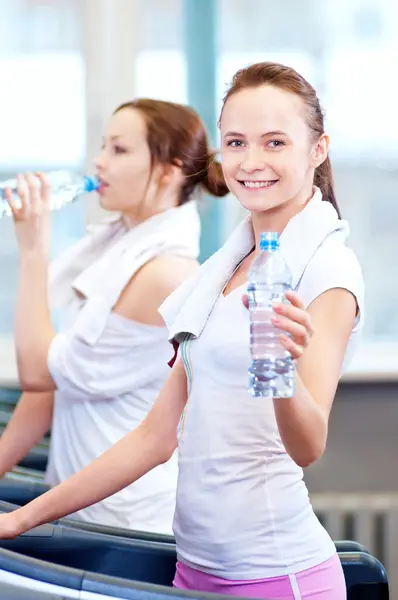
<point>213,180</point>
<point>324,180</point>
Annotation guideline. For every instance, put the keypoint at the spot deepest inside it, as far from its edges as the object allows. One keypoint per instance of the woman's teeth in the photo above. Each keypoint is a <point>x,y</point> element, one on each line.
<point>258,184</point>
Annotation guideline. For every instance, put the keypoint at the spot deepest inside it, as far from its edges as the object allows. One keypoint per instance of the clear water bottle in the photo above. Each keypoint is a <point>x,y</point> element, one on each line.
<point>271,373</point>
<point>66,187</point>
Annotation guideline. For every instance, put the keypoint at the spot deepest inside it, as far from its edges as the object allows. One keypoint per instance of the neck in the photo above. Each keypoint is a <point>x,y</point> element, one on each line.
<point>277,218</point>
<point>146,210</point>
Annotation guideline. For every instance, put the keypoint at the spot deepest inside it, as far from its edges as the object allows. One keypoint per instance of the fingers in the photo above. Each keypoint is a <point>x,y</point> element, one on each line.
<point>34,195</point>
<point>295,313</point>
<point>295,322</point>
<point>297,331</point>
<point>8,196</point>
<point>295,299</point>
<point>45,189</point>
<point>294,349</point>
<point>22,191</point>
<point>18,205</point>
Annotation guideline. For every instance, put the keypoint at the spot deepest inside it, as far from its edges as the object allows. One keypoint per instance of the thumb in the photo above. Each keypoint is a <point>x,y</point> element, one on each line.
<point>245,300</point>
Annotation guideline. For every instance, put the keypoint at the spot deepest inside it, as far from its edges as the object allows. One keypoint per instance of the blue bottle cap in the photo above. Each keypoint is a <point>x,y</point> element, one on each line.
<point>269,240</point>
<point>91,184</point>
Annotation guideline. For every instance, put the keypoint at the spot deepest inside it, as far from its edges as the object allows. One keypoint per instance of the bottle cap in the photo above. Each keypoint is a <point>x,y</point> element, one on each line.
<point>269,240</point>
<point>91,184</point>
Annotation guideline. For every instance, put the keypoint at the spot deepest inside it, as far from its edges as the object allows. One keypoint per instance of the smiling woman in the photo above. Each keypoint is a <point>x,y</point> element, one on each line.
<point>280,151</point>
<point>274,156</point>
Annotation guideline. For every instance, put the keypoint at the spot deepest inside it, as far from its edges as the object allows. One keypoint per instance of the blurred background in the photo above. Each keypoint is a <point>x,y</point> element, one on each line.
<point>66,64</point>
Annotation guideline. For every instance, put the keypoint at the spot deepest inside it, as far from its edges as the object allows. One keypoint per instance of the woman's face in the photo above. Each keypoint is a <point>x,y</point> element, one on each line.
<point>124,165</point>
<point>268,158</point>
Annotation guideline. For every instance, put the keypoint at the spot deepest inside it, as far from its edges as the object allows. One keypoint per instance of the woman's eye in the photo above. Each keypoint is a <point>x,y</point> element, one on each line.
<point>275,143</point>
<point>119,150</point>
<point>235,143</point>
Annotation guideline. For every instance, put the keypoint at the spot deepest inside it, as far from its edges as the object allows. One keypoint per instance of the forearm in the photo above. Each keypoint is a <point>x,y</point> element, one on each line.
<point>132,457</point>
<point>30,421</point>
<point>302,424</point>
<point>33,328</point>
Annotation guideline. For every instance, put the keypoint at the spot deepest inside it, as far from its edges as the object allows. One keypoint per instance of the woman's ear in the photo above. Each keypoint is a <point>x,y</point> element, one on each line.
<point>319,152</point>
<point>173,172</point>
<point>168,174</point>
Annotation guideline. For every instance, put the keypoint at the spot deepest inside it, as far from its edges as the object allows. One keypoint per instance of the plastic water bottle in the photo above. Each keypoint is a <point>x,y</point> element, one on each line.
<point>271,373</point>
<point>66,187</point>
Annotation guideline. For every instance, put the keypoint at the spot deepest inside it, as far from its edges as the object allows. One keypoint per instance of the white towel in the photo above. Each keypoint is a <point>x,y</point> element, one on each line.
<point>189,307</point>
<point>101,264</point>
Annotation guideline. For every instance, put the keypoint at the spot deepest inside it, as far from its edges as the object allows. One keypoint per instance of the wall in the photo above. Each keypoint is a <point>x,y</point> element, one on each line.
<point>363,443</point>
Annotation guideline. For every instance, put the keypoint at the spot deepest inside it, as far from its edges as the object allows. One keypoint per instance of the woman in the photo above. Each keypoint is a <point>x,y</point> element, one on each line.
<point>244,524</point>
<point>107,366</point>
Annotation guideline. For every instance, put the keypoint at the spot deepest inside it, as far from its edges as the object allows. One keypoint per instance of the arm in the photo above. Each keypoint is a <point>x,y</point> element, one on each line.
<point>31,420</point>
<point>33,328</point>
<point>151,285</point>
<point>303,419</point>
<point>34,333</point>
<point>147,446</point>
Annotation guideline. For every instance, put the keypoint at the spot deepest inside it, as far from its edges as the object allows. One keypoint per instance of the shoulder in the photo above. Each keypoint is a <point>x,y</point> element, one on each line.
<point>336,259</point>
<point>165,273</point>
<point>151,285</point>
<point>334,265</point>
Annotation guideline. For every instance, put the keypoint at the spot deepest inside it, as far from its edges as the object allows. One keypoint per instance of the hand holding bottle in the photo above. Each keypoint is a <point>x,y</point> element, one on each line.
<point>32,213</point>
<point>294,322</point>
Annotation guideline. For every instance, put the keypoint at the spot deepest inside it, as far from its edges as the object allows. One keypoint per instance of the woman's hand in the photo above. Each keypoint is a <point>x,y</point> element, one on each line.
<point>32,217</point>
<point>10,526</point>
<point>295,321</point>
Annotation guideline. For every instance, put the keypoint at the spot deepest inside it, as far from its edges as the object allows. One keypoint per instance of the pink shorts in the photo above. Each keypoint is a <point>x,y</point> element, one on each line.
<point>323,582</point>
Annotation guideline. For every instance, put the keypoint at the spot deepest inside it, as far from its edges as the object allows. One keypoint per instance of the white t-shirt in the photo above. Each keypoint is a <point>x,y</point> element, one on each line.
<point>243,510</point>
<point>105,391</point>
<point>108,369</point>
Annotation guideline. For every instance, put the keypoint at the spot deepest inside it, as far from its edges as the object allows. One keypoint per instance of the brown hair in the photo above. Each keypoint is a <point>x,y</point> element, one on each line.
<point>286,78</point>
<point>177,136</point>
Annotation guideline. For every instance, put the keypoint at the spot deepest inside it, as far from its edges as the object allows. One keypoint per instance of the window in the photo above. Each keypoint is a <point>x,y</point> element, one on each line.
<point>160,67</point>
<point>42,117</point>
<point>348,52</point>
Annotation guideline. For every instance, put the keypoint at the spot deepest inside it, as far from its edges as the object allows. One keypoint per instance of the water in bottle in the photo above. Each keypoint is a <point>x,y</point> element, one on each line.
<point>66,186</point>
<point>271,373</point>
